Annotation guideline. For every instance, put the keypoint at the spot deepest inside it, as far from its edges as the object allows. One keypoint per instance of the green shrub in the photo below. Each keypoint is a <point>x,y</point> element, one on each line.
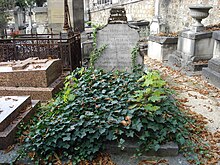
<point>95,107</point>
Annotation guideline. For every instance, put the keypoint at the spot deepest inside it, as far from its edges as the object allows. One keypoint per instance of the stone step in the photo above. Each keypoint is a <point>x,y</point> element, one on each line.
<point>7,136</point>
<point>38,93</point>
<point>214,64</point>
<point>31,73</point>
<point>11,107</point>
<point>212,76</point>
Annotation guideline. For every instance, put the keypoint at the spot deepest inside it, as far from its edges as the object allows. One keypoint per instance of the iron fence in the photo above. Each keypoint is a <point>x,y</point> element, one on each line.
<point>43,46</point>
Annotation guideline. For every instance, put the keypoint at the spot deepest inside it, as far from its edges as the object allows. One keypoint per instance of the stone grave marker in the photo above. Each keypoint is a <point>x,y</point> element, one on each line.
<point>13,110</point>
<point>39,78</point>
<point>120,39</point>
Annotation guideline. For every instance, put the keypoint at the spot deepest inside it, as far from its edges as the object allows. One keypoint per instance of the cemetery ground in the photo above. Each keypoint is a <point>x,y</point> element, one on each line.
<point>197,97</point>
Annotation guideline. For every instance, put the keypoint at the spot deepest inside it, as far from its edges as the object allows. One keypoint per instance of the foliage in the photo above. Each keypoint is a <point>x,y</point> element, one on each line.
<point>134,54</point>
<point>96,52</point>
<point>95,107</point>
<point>4,5</point>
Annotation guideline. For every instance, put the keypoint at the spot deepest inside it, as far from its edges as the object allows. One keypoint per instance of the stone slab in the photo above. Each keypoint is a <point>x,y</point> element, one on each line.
<point>214,64</point>
<point>10,108</point>
<point>30,73</point>
<point>168,149</point>
<point>120,39</point>
<point>211,76</point>
<point>160,51</point>
<point>7,136</point>
<point>23,64</point>
<point>195,50</point>
<point>216,35</point>
<point>9,157</point>
<point>38,93</point>
<point>195,36</point>
<point>163,39</point>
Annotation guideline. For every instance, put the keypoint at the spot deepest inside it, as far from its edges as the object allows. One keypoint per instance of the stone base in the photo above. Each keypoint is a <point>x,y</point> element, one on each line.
<point>212,76</point>
<point>177,63</point>
<point>159,47</point>
<point>7,136</point>
<point>195,46</point>
<point>42,94</point>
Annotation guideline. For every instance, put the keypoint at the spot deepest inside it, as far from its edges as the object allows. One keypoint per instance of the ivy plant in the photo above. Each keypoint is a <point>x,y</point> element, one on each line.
<point>96,52</point>
<point>96,107</point>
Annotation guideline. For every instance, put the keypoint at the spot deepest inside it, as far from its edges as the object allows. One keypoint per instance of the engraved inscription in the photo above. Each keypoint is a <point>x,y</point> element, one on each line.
<point>120,40</point>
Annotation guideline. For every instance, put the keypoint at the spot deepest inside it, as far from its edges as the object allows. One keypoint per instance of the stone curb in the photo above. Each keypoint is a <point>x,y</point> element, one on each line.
<point>168,149</point>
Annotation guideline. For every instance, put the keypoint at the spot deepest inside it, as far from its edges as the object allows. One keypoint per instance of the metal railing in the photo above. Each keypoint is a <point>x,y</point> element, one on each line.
<point>43,46</point>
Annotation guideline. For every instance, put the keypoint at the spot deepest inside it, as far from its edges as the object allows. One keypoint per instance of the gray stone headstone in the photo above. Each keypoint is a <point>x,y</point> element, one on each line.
<point>120,39</point>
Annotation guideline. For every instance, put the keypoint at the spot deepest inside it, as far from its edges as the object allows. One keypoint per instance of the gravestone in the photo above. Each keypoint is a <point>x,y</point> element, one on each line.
<point>120,39</point>
<point>39,78</point>
<point>13,110</point>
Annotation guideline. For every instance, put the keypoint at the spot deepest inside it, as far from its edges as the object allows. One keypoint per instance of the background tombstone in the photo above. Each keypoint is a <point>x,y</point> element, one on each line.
<point>120,39</point>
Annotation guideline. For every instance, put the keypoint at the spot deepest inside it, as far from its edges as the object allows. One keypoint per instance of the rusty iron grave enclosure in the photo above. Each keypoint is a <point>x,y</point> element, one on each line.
<point>43,46</point>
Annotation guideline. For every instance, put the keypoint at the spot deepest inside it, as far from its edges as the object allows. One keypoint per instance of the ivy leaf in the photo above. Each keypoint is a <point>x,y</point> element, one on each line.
<point>156,147</point>
<point>67,137</point>
<point>130,134</point>
<point>136,124</point>
<point>154,98</point>
<point>71,97</point>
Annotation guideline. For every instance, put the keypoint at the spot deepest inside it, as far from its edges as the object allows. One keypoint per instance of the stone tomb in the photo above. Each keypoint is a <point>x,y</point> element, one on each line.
<point>13,110</point>
<point>159,47</point>
<point>40,78</point>
<point>120,40</point>
<point>212,73</point>
<point>194,49</point>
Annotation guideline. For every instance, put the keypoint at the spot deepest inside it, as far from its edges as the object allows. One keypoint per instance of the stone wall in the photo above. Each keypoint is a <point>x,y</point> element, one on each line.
<point>137,10</point>
<point>175,13</point>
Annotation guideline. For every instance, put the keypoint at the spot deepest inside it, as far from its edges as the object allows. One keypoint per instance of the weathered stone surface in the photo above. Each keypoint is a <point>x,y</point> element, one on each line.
<point>7,136</point>
<point>9,157</point>
<point>39,93</point>
<point>214,64</point>
<point>10,108</point>
<point>163,39</point>
<point>168,149</point>
<point>30,73</point>
<point>212,76</point>
<point>120,40</point>
<point>160,47</point>
<point>216,50</point>
<point>175,14</point>
<point>216,35</point>
<point>196,48</point>
<point>174,61</point>
<point>197,35</point>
